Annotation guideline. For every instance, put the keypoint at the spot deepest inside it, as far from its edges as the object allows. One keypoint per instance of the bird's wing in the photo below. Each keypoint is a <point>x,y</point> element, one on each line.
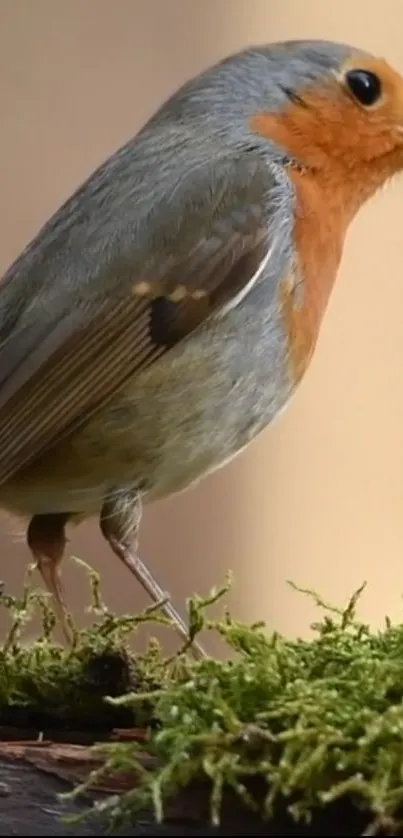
<point>65,352</point>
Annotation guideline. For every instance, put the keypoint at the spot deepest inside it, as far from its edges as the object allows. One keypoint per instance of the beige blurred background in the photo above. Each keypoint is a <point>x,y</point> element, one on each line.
<point>318,498</point>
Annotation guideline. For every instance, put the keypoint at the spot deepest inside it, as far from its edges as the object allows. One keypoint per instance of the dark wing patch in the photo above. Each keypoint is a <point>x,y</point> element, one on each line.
<point>169,323</point>
<point>92,350</point>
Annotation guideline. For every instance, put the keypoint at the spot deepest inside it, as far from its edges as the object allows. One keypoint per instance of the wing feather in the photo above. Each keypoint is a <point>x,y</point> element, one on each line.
<point>67,354</point>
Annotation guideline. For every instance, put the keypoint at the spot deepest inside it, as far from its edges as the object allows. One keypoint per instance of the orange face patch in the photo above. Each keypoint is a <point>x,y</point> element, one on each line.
<point>346,154</point>
<point>330,131</point>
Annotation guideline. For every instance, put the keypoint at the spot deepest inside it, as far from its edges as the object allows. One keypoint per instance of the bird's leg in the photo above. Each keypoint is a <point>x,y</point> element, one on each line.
<point>120,522</point>
<point>47,540</point>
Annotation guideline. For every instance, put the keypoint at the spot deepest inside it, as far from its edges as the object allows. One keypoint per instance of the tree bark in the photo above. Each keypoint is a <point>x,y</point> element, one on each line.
<point>33,774</point>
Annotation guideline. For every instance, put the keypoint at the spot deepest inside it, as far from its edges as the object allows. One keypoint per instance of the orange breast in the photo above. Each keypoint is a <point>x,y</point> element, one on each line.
<point>330,188</point>
<point>319,232</point>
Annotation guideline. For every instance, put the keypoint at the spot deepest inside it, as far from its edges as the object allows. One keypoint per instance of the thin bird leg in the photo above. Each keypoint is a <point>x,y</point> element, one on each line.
<point>47,540</point>
<point>119,522</point>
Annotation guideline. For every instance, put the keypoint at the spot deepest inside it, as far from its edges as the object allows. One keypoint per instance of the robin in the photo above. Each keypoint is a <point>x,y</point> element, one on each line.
<point>169,309</point>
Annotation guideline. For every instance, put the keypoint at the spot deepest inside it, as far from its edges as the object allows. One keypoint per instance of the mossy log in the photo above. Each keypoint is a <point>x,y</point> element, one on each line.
<point>308,732</point>
<point>33,775</point>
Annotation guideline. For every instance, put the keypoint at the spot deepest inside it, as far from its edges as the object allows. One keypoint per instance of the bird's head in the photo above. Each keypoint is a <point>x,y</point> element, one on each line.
<point>332,108</point>
<point>341,111</point>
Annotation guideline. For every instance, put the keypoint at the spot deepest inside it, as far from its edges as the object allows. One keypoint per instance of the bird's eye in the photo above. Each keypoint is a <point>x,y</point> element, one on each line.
<point>364,85</point>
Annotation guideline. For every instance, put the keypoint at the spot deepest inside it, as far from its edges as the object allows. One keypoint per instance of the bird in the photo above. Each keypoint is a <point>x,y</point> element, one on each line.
<point>167,312</point>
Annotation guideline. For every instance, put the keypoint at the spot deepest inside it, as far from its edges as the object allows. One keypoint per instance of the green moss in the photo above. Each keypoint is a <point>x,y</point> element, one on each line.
<point>305,721</point>
<point>44,685</point>
<point>313,721</point>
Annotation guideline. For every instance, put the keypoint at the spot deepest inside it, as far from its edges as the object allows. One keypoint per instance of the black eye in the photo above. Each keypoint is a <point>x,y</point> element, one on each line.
<point>364,85</point>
